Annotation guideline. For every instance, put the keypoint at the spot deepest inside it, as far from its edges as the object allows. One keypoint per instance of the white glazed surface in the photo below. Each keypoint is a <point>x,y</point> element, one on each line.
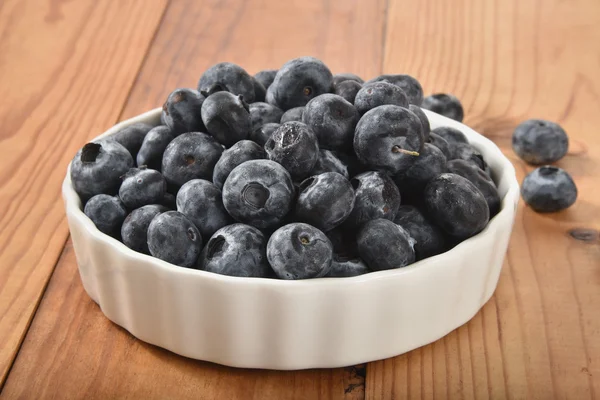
<point>275,324</point>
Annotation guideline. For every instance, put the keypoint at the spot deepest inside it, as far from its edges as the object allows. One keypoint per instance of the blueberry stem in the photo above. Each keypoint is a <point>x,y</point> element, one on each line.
<point>398,149</point>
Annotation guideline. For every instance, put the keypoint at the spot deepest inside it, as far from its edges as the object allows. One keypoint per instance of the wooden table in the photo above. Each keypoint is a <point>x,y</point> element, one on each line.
<point>70,70</point>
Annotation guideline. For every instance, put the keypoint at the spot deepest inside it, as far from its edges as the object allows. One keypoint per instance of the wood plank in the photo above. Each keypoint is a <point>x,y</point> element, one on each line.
<point>65,70</point>
<point>538,337</point>
<point>71,348</point>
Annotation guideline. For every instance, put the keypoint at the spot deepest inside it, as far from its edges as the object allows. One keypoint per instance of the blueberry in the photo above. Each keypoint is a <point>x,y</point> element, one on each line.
<point>540,142</point>
<point>173,238</point>
<point>384,245</point>
<point>377,94</point>
<point>345,77</point>
<point>190,156</point>
<point>236,250</point>
<point>293,114</point>
<point>468,153</point>
<point>201,202</point>
<point>153,147</point>
<point>429,239</point>
<point>411,87</point>
<point>332,119</point>
<point>299,251</point>
<point>242,151</point>
<point>131,137</point>
<point>260,92</point>
<point>451,135</point>
<point>456,205</point>
<point>328,162</point>
<point>430,163</point>
<point>480,179</point>
<point>549,189</point>
<point>444,104</point>
<point>388,138</point>
<point>181,111</point>
<point>345,268</point>
<point>227,118</point>
<point>228,77</point>
<point>441,144</point>
<point>375,196</point>
<point>294,145</point>
<point>325,200</point>
<point>107,213</point>
<point>262,134</point>
<point>298,81</point>
<point>347,90</point>
<point>142,186</point>
<point>97,168</point>
<point>263,113</point>
<point>266,77</point>
<point>169,201</point>
<point>134,230</point>
<point>418,111</point>
<point>258,193</point>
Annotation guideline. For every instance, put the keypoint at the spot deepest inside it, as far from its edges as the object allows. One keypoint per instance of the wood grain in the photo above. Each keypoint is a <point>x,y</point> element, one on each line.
<point>539,336</point>
<point>65,70</point>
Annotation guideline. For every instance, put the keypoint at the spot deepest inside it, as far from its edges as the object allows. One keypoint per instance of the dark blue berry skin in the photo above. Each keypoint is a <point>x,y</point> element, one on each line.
<point>236,250</point>
<point>242,151</point>
<point>468,153</point>
<point>142,186</point>
<point>332,119</point>
<point>131,137</point>
<point>260,92</point>
<point>339,78</point>
<point>375,196</point>
<point>107,213</point>
<point>451,135</point>
<point>429,239</point>
<point>325,200</point>
<point>299,251</point>
<point>293,114</point>
<point>153,147</point>
<point>263,113</point>
<point>351,161</point>
<point>181,111</point>
<point>441,144</point>
<point>411,87</point>
<point>258,193</point>
<point>387,137</point>
<point>227,118</point>
<point>294,145</point>
<point>169,201</point>
<point>202,203</point>
<point>383,245</point>
<point>456,205</point>
<point>377,94</point>
<point>444,104</point>
<point>430,163</point>
<point>418,111</point>
<point>227,77</point>
<point>540,142</point>
<point>190,156</point>
<point>480,179</point>
<point>346,268</point>
<point>328,162</point>
<point>134,230</point>
<point>173,238</point>
<point>262,134</point>
<point>549,189</point>
<point>348,90</point>
<point>299,81</point>
<point>97,168</point>
<point>266,77</point>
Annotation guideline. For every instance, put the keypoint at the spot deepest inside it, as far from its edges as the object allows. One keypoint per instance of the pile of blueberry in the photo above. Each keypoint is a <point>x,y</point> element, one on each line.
<point>292,173</point>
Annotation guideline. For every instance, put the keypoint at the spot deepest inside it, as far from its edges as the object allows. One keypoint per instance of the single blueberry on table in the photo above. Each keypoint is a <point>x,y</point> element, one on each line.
<point>262,134</point>
<point>181,111</point>
<point>549,189</point>
<point>142,186</point>
<point>375,196</point>
<point>540,142</point>
<point>377,94</point>
<point>227,118</point>
<point>299,251</point>
<point>263,113</point>
<point>260,92</point>
<point>299,81</point>
<point>258,193</point>
<point>347,90</point>
<point>227,77</point>
<point>382,244</point>
<point>418,111</point>
<point>202,203</point>
<point>293,114</point>
<point>429,239</point>
<point>131,137</point>
<point>294,146</point>
<point>428,164</point>
<point>441,144</point>
<point>480,179</point>
<point>345,77</point>
<point>266,77</point>
<point>97,168</point>
<point>444,104</point>
<point>328,162</point>
<point>190,156</point>
<point>173,238</point>
<point>134,230</point>
<point>332,119</point>
<point>107,213</point>
<point>236,250</point>
<point>456,205</point>
<point>242,151</point>
<point>411,87</point>
<point>153,147</point>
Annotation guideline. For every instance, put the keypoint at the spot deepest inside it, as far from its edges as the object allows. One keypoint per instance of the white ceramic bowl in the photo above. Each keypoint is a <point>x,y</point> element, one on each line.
<point>276,324</point>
